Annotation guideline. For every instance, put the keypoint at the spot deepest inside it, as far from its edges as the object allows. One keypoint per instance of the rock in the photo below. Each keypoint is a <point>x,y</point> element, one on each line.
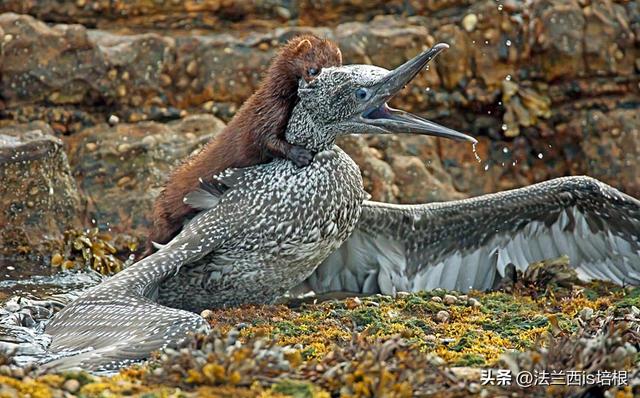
<point>559,56</point>
<point>38,195</point>
<point>469,22</point>
<point>474,302</point>
<point>71,385</point>
<point>450,299</point>
<point>442,316</point>
<point>436,299</point>
<point>559,28</point>
<point>122,176</point>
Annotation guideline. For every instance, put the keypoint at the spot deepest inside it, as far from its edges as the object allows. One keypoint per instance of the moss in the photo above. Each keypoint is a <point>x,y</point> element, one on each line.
<point>470,360</point>
<point>346,347</point>
<point>298,389</point>
<point>363,317</point>
<point>632,298</point>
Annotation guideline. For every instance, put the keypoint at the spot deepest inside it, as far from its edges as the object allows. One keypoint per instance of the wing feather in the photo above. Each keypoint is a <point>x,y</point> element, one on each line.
<point>467,244</point>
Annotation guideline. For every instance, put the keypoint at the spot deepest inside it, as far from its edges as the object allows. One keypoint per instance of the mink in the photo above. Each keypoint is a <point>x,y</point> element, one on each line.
<point>255,135</point>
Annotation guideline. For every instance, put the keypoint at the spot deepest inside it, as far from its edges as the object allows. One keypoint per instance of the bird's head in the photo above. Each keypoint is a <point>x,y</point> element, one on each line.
<point>352,99</point>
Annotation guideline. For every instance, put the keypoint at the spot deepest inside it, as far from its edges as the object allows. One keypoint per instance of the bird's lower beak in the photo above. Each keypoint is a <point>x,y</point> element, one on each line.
<point>379,114</point>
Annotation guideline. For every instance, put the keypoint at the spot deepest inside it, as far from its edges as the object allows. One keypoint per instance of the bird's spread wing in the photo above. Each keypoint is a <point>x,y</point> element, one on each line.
<point>119,321</point>
<point>467,244</point>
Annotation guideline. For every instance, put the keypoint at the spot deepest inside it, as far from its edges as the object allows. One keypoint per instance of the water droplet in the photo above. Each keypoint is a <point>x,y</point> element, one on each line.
<point>500,7</point>
<point>427,89</point>
<point>508,43</point>
<point>500,103</point>
<point>507,78</point>
<point>504,127</point>
<point>486,167</point>
<point>486,42</point>
<point>505,150</point>
<point>540,156</point>
<point>475,152</point>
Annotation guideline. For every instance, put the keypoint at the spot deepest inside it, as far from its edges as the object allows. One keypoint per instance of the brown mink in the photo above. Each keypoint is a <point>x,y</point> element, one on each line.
<point>254,135</point>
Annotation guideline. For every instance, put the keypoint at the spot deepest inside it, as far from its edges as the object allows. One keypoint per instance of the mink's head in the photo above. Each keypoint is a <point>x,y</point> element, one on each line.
<point>303,57</point>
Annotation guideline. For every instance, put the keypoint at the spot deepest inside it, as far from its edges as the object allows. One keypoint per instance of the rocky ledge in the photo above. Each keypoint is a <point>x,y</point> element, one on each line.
<point>549,89</point>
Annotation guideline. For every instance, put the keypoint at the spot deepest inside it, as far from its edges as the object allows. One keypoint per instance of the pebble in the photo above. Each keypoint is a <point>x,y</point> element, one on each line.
<point>450,299</point>
<point>149,141</point>
<point>113,119</point>
<point>436,299</point>
<point>283,13</point>
<point>18,373</point>
<point>403,294</point>
<point>474,302</point>
<point>5,370</point>
<point>469,22</point>
<point>442,316</point>
<point>71,385</point>
<point>165,80</point>
<point>124,147</point>
<point>430,338</point>
<point>192,68</point>
<point>207,314</point>
<point>91,146</point>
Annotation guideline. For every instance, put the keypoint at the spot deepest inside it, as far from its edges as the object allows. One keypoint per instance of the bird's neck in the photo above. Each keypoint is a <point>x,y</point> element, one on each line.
<point>302,130</point>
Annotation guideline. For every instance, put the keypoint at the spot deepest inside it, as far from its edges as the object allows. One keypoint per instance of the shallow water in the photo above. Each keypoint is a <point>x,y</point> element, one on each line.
<point>30,294</point>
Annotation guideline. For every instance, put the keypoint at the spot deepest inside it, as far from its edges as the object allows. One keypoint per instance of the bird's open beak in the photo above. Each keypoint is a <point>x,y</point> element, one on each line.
<point>380,115</point>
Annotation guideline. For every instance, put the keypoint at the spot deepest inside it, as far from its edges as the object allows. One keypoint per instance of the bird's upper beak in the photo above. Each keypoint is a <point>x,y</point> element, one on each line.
<point>379,115</point>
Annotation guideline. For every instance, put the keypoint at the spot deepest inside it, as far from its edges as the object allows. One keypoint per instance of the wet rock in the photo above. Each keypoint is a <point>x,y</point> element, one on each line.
<point>612,147</point>
<point>560,56</point>
<point>218,15</point>
<point>559,28</point>
<point>38,195</point>
<point>123,171</point>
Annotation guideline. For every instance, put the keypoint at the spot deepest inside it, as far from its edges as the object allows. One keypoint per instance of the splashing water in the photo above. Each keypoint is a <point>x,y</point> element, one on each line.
<point>475,152</point>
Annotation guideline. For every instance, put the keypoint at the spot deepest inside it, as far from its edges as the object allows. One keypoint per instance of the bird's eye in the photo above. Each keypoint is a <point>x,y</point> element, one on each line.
<point>313,71</point>
<point>362,94</point>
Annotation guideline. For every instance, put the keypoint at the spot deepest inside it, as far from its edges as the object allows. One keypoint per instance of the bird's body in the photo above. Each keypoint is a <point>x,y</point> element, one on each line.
<point>255,135</point>
<point>267,233</point>
<point>279,227</point>
<point>290,220</point>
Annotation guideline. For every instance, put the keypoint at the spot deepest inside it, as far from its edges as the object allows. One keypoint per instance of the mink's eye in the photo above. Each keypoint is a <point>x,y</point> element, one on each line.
<point>313,71</point>
<point>362,94</point>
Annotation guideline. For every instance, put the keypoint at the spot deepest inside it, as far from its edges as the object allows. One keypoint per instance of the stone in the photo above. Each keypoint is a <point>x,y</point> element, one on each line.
<point>39,197</point>
<point>469,22</point>
<point>442,316</point>
<point>450,299</point>
<point>122,176</point>
<point>71,385</point>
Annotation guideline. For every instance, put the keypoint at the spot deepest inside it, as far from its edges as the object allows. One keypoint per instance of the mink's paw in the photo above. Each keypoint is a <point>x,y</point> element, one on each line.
<point>300,156</point>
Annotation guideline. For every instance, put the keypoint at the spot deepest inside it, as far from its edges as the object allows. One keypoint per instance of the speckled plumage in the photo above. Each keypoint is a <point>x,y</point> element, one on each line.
<point>279,227</point>
<point>263,236</point>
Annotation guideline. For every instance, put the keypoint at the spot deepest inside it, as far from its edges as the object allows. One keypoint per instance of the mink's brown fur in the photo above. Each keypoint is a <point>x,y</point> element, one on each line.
<point>254,135</point>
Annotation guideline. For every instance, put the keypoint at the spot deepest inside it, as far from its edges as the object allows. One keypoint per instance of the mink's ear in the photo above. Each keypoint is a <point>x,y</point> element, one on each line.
<point>304,46</point>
